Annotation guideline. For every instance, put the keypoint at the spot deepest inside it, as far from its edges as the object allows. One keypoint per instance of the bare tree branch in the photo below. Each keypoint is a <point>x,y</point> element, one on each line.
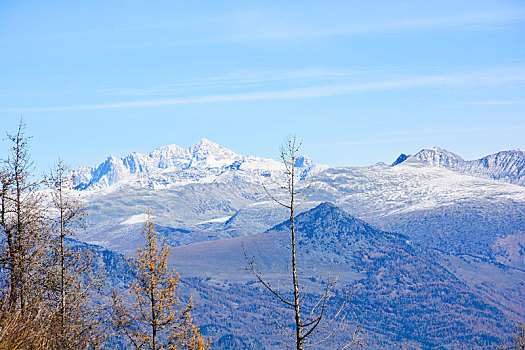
<point>257,274</point>
<point>296,187</point>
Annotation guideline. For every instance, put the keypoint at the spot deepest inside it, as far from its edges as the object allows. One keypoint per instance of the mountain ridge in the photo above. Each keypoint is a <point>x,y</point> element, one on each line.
<point>205,161</point>
<point>384,271</point>
<point>507,166</point>
<point>172,166</point>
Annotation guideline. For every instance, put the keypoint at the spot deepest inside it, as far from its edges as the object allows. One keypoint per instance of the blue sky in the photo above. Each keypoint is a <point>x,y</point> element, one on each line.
<point>358,81</point>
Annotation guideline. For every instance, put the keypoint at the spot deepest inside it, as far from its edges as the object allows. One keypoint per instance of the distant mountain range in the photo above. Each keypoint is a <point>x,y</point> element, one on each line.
<point>208,192</point>
<point>172,166</point>
<point>508,166</point>
<point>428,217</point>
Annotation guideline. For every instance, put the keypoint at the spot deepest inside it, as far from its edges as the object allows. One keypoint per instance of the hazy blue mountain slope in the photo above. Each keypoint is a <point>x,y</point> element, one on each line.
<point>472,227</point>
<point>431,205</point>
<point>399,291</point>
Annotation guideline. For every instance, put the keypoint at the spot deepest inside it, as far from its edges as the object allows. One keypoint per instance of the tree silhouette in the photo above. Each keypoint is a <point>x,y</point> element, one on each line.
<point>315,321</point>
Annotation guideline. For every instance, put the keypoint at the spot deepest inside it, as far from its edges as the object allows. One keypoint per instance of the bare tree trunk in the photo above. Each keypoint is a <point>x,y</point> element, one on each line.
<point>307,327</point>
<point>21,223</point>
<point>62,264</point>
<point>19,231</point>
<point>10,260</point>
<point>297,307</point>
<point>20,166</point>
<point>69,278</point>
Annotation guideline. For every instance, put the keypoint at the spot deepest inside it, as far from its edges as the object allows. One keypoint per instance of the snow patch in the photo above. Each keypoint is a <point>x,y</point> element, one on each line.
<point>222,219</point>
<point>136,219</point>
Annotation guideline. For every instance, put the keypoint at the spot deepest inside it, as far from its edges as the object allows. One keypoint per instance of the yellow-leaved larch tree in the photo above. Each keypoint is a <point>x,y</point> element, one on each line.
<point>156,318</point>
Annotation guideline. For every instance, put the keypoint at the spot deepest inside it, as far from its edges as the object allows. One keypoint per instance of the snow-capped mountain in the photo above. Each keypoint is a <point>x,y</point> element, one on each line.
<point>457,228</point>
<point>207,162</point>
<point>207,192</point>
<point>173,166</point>
<point>438,157</point>
<point>507,166</point>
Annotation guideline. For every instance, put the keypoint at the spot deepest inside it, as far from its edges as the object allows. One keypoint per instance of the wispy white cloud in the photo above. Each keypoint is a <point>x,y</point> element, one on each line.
<point>266,25</point>
<point>259,27</point>
<point>478,78</point>
<point>256,22</point>
<point>249,78</point>
<point>425,135</point>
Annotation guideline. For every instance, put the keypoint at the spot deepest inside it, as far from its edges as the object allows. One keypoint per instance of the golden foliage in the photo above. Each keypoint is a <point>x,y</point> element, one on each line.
<point>157,318</point>
<point>19,330</point>
<point>38,327</point>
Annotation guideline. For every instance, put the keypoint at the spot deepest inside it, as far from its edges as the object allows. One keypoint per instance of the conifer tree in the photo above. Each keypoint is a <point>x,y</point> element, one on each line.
<point>156,318</point>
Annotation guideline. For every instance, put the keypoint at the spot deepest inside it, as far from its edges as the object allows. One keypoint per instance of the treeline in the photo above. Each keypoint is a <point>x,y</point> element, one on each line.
<point>50,290</point>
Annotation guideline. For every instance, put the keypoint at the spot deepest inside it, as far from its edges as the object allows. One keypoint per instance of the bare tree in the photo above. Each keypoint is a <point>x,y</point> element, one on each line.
<point>22,224</point>
<point>71,280</point>
<point>316,319</point>
<point>29,330</point>
<point>46,284</point>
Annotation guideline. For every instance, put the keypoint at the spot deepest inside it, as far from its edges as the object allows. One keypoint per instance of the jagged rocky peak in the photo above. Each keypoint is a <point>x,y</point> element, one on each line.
<point>170,157</point>
<point>438,157</point>
<point>107,172</point>
<point>402,157</point>
<point>171,151</point>
<point>171,166</point>
<point>209,153</point>
<point>111,165</point>
<point>433,156</point>
<point>513,158</point>
<point>507,166</point>
<point>134,162</point>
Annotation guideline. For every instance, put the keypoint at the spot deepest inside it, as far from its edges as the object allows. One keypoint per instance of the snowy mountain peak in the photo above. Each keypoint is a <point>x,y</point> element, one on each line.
<point>205,143</point>
<point>168,150</point>
<point>210,154</point>
<point>171,165</point>
<point>507,166</point>
<point>433,156</point>
<point>438,157</point>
